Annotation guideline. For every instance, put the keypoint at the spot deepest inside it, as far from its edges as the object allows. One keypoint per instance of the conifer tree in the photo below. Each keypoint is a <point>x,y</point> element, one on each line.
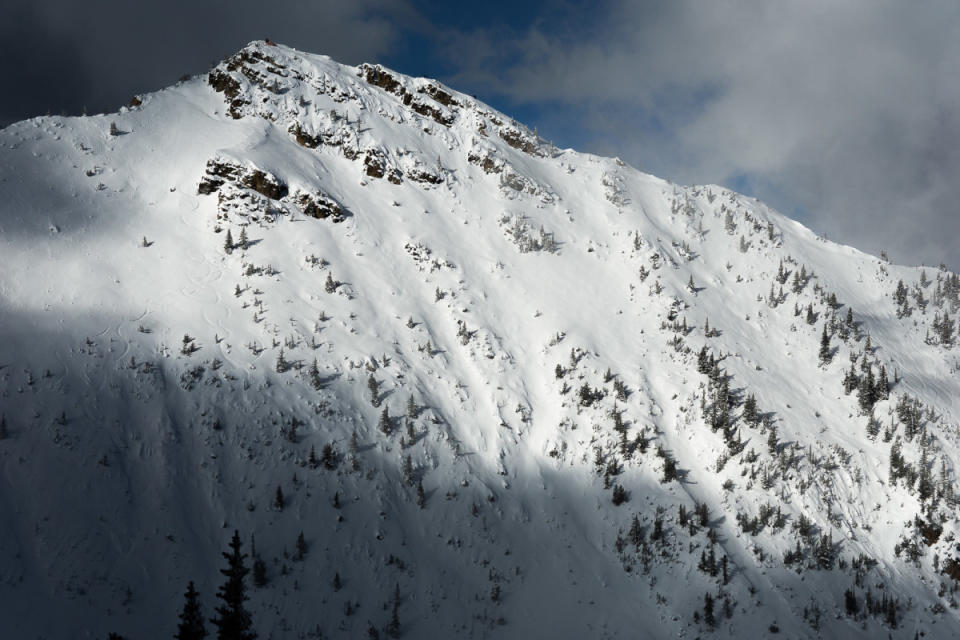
<point>412,407</point>
<point>301,546</point>
<point>750,410</point>
<point>421,496</point>
<point>4,432</point>
<point>278,500</point>
<point>314,373</point>
<point>825,356</point>
<point>708,610</point>
<point>228,242</point>
<point>244,241</point>
<point>386,423</point>
<point>233,621</point>
<point>393,627</point>
<point>191,625</point>
<point>374,388</point>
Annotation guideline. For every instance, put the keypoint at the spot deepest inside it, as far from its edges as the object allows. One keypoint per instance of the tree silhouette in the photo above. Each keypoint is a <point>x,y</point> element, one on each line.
<point>233,621</point>
<point>191,617</point>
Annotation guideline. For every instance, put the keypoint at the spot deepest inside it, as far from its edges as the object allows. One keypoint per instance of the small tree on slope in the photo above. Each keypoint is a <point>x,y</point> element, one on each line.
<point>191,617</point>
<point>233,621</point>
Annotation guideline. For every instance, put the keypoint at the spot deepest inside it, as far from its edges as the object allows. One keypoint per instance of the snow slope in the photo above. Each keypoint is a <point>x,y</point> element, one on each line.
<point>157,388</point>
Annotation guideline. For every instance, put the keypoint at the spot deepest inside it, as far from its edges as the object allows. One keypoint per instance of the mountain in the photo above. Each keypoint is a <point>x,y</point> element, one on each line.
<point>501,389</point>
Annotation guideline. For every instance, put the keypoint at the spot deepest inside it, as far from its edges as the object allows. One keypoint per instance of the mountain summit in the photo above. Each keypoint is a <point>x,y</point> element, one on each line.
<point>447,380</point>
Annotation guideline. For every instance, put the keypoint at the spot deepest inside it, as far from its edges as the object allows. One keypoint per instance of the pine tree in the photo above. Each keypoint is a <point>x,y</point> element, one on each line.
<point>191,625</point>
<point>850,602</point>
<point>330,285</point>
<point>228,243</point>
<point>244,241</point>
<point>393,627</point>
<point>278,500</point>
<point>825,355</point>
<point>328,457</point>
<point>386,422</point>
<point>301,546</point>
<point>4,432</point>
<point>421,496</point>
<point>281,362</point>
<point>233,621</point>
<point>750,410</point>
<point>259,572</point>
<point>412,407</point>
<point>314,374</point>
<point>312,458</point>
<point>708,610</point>
<point>946,330</point>
<point>773,444</point>
<point>374,388</point>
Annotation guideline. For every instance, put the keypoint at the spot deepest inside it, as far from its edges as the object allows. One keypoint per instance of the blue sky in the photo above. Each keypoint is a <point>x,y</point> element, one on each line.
<point>843,115</point>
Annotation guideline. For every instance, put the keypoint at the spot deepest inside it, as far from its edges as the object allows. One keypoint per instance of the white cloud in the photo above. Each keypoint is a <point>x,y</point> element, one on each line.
<point>846,111</point>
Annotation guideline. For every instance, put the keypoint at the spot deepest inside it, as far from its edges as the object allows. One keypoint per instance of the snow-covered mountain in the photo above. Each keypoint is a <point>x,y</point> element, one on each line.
<point>501,389</point>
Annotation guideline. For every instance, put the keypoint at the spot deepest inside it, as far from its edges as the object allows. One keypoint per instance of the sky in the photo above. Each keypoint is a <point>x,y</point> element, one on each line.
<point>843,115</point>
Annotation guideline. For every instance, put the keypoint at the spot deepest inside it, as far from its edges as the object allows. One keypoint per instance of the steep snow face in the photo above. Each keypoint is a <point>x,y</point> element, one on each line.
<point>537,391</point>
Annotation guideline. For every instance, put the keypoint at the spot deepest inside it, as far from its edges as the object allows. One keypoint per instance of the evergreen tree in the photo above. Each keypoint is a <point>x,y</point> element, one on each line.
<point>708,610</point>
<point>301,546</point>
<point>412,407</point>
<point>278,500</point>
<point>233,621</point>
<point>328,457</point>
<point>866,392</point>
<point>386,422</point>
<point>393,627</point>
<point>259,572</point>
<point>281,362</point>
<point>228,242</point>
<point>244,241</point>
<point>4,432</point>
<point>191,617</point>
<point>421,496</point>
<point>750,411</point>
<point>850,602</point>
<point>314,373</point>
<point>374,388</point>
<point>330,285</point>
<point>824,354</point>
<point>773,443</point>
<point>946,330</point>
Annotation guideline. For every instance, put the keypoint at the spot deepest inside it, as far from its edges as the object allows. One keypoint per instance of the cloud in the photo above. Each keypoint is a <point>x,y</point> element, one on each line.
<point>846,115</point>
<point>66,55</point>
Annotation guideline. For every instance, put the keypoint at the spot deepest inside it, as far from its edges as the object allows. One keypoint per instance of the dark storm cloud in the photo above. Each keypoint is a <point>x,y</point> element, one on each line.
<point>846,115</point>
<point>65,55</point>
